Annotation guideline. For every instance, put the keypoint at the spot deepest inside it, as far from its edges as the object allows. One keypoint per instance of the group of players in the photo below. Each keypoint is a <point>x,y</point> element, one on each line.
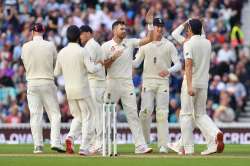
<point>84,67</point>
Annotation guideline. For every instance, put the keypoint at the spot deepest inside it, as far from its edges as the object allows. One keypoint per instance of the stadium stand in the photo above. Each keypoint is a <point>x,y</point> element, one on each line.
<point>230,67</point>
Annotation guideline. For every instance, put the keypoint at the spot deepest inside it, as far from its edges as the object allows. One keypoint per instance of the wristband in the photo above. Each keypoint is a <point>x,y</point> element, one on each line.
<point>150,27</point>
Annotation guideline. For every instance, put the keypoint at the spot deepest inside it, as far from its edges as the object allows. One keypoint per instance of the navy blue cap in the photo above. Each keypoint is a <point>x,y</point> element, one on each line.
<point>158,22</point>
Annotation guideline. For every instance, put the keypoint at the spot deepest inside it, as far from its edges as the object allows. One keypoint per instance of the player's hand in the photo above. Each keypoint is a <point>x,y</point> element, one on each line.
<point>164,73</point>
<point>117,54</point>
<point>100,62</point>
<point>186,22</point>
<point>202,20</point>
<point>107,63</point>
<point>191,92</point>
<point>150,16</point>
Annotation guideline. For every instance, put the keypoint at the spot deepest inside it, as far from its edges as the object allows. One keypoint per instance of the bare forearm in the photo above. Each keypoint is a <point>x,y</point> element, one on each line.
<point>189,78</point>
<point>147,39</point>
<point>188,72</point>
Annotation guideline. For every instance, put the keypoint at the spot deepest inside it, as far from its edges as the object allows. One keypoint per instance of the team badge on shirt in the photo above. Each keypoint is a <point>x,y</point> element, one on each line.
<point>112,49</point>
<point>155,60</point>
<point>187,54</point>
<point>124,45</point>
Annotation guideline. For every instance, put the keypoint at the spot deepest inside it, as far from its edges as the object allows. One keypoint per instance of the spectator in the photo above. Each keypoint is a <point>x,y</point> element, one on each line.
<point>226,54</point>
<point>174,108</point>
<point>237,89</point>
<point>224,113</point>
<point>219,19</point>
<point>14,116</point>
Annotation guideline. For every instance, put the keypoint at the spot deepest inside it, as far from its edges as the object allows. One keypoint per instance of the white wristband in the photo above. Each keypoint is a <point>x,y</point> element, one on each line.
<point>150,27</point>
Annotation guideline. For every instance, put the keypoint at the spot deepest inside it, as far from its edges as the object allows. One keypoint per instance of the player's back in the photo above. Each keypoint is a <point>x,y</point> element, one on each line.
<point>200,50</point>
<point>71,59</point>
<point>39,58</point>
<point>72,62</point>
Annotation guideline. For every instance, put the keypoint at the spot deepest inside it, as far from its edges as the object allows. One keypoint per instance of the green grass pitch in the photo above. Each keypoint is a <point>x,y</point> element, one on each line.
<point>21,155</point>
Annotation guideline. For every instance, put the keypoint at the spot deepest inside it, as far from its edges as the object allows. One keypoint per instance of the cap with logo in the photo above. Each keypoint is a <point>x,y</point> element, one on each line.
<point>158,22</point>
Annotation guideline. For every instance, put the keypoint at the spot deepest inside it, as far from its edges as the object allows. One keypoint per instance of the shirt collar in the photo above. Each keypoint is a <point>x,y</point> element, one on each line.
<point>90,40</point>
<point>162,39</point>
<point>195,36</point>
<point>37,38</point>
<point>73,44</point>
<point>114,43</point>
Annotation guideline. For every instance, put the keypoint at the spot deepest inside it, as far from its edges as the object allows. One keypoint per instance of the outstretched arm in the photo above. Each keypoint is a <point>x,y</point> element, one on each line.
<point>149,19</point>
<point>177,34</point>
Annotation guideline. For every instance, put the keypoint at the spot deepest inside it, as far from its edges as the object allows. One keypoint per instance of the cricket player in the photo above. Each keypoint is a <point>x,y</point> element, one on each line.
<point>118,54</point>
<point>176,34</point>
<point>158,56</point>
<point>97,83</point>
<point>74,66</point>
<point>197,55</point>
<point>39,57</point>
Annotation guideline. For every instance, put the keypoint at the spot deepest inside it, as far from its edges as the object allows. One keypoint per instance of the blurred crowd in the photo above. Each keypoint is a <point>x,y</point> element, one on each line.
<point>230,67</point>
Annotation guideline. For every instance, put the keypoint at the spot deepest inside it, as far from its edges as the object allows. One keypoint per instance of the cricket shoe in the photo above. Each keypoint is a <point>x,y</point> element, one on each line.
<point>69,145</point>
<point>218,147</point>
<point>176,147</point>
<point>85,152</point>
<point>143,149</point>
<point>163,149</point>
<point>58,148</point>
<point>38,149</point>
<point>210,150</point>
<point>188,150</point>
<point>219,142</point>
<point>95,150</point>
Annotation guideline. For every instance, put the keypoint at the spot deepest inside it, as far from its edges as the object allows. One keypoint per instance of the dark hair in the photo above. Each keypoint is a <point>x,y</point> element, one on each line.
<point>116,23</point>
<point>37,27</point>
<point>196,26</point>
<point>73,33</point>
<point>86,28</point>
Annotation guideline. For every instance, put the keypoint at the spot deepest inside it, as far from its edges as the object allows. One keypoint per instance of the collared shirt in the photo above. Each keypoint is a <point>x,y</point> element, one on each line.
<point>157,56</point>
<point>39,57</point>
<point>199,50</point>
<point>74,65</point>
<point>122,66</point>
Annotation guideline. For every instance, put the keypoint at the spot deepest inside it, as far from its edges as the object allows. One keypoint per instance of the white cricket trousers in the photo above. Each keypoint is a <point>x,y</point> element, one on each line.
<point>82,112</point>
<point>193,109</point>
<point>124,89</point>
<point>39,98</point>
<point>155,89</point>
<point>97,93</point>
<point>98,96</point>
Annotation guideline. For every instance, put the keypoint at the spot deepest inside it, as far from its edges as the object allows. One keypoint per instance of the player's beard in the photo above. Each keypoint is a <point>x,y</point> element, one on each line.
<point>122,35</point>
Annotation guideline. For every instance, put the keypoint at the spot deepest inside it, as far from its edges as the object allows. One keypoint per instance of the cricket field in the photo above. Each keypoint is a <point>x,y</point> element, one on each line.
<point>21,155</point>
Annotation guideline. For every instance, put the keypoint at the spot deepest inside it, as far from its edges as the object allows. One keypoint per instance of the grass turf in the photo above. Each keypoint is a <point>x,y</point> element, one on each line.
<point>21,155</point>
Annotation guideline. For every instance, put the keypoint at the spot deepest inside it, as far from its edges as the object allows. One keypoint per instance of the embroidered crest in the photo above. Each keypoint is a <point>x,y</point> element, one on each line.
<point>113,48</point>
